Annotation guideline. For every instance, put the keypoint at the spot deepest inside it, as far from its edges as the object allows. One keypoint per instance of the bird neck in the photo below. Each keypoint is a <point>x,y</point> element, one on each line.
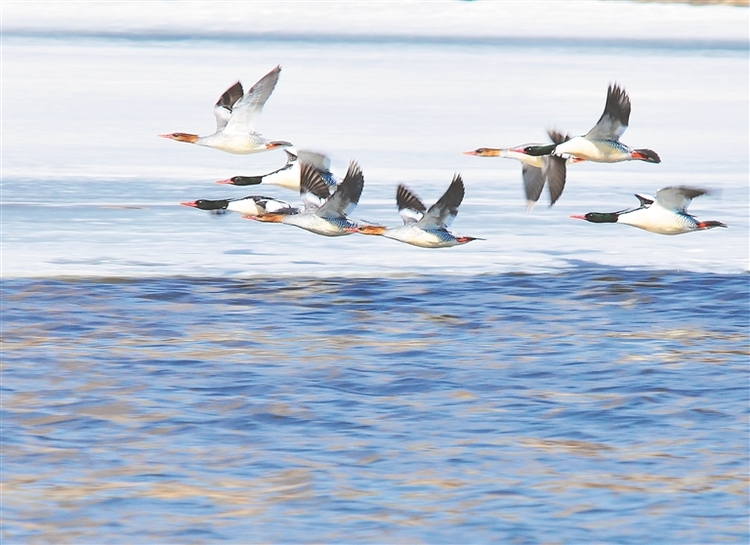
<point>247,180</point>
<point>540,150</point>
<point>602,217</point>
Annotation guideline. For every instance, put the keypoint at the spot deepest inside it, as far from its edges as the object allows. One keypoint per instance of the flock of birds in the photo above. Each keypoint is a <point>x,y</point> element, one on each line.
<point>326,201</point>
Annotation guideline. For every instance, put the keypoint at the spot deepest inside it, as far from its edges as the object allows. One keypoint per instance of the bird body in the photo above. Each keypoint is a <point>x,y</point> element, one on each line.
<point>329,227</point>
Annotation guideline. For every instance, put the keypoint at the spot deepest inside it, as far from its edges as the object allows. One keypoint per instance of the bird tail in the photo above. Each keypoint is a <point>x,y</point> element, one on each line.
<point>709,224</point>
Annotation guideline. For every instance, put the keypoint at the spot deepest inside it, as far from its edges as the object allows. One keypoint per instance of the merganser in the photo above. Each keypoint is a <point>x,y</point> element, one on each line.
<point>252,204</point>
<point>422,227</point>
<point>330,217</point>
<point>536,169</point>
<point>235,120</point>
<point>602,143</point>
<point>288,176</point>
<point>665,215</point>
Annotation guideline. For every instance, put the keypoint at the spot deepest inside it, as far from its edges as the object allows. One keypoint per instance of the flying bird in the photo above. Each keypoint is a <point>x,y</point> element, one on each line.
<point>536,170</point>
<point>236,115</point>
<point>666,214</point>
<point>252,204</point>
<point>423,227</point>
<point>602,143</point>
<point>289,175</point>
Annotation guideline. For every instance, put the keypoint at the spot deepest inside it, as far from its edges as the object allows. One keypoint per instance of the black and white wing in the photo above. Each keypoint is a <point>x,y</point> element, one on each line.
<point>247,110</point>
<point>271,205</point>
<point>410,208</point>
<point>678,198</point>
<point>313,190</point>
<point>225,104</point>
<point>346,196</point>
<point>615,118</point>
<point>443,212</point>
<point>644,200</point>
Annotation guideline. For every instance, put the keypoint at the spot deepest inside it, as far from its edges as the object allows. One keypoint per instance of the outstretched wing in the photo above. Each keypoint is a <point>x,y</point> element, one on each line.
<point>318,160</point>
<point>678,198</point>
<point>554,171</point>
<point>614,120</point>
<point>533,183</point>
<point>224,106</point>
<point>410,208</point>
<point>443,212</point>
<point>247,110</point>
<point>346,196</point>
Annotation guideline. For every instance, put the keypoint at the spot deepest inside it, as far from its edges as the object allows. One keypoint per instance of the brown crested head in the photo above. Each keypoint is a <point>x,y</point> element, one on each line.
<point>483,152</point>
<point>265,218</point>
<point>181,137</point>
<point>371,229</point>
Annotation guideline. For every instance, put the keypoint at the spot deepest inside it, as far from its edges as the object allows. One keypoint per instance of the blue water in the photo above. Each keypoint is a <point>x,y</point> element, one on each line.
<point>595,405</point>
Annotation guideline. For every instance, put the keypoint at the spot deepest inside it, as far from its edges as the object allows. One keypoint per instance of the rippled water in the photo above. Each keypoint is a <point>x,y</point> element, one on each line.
<point>593,405</point>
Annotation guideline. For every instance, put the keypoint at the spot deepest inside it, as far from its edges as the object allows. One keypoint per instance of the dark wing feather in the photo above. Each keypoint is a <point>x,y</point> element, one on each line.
<point>554,171</point>
<point>410,207</point>
<point>223,106</point>
<point>346,196</point>
<point>558,137</point>
<point>644,201</point>
<point>230,96</point>
<point>615,118</point>
<point>312,189</point>
<point>247,110</point>
<point>441,214</point>
<point>533,182</point>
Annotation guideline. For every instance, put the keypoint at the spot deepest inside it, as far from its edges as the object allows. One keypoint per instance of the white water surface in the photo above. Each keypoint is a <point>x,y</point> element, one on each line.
<point>403,88</point>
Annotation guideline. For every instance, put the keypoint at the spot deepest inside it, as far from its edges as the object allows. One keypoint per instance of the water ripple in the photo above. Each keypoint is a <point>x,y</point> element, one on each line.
<point>597,404</point>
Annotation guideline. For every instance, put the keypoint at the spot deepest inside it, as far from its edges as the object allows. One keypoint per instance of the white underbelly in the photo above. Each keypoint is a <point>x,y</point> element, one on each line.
<point>315,224</point>
<point>418,237</point>
<point>245,207</point>
<point>658,220</point>
<point>597,151</point>
<point>237,144</point>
